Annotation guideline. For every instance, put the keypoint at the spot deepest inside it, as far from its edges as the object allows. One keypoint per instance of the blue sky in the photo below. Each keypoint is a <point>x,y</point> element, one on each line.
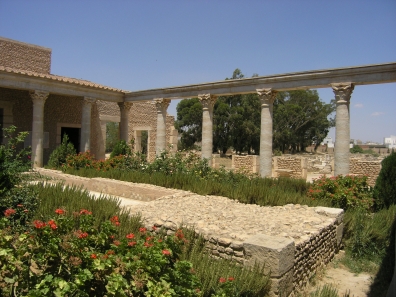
<point>136,45</point>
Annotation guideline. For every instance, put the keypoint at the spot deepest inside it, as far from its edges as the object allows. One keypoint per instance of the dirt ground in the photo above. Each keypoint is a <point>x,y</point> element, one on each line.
<point>337,275</point>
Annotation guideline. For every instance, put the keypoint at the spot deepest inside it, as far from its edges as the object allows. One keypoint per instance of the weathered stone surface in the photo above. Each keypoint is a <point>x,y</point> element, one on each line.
<point>277,253</point>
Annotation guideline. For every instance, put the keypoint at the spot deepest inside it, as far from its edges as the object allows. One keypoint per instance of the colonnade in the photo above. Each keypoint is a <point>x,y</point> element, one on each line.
<point>267,96</point>
<point>39,98</point>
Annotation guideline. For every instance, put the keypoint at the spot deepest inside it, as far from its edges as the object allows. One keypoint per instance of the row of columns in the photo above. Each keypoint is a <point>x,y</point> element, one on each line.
<point>39,98</point>
<point>267,97</point>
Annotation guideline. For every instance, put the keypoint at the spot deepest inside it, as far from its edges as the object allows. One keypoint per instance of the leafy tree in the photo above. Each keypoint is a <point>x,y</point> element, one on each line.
<point>112,135</point>
<point>356,149</point>
<point>121,148</point>
<point>189,122</point>
<point>300,118</point>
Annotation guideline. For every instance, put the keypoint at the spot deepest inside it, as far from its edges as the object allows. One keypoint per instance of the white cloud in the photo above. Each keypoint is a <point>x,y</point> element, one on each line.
<point>358,105</point>
<point>377,113</point>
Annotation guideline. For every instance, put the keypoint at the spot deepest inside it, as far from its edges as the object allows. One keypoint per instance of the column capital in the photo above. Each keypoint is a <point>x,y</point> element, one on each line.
<point>208,101</point>
<point>38,96</point>
<point>342,92</point>
<point>125,105</point>
<point>89,100</point>
<point>267,96</point>
<point>161,104</point>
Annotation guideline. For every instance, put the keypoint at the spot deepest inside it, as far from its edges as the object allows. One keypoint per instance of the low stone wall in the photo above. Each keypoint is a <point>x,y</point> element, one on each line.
<point>246,164</point>
<point>292,241</point>
<point>295,167</point>
<point>371,168</point>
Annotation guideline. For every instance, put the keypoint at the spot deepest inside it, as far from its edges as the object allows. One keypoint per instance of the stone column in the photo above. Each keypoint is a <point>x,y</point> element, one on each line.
<point>85,142</point>
<point>208,103</point>
<point>125,107</point>
<point>38,98</point>
<point>341,149</point>
<point>160,142</point>
<point>267,97</point>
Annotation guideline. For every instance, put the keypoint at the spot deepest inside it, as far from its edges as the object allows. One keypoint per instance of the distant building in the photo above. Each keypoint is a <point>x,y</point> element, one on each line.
<point>390,142</point>
<point>328,141</point>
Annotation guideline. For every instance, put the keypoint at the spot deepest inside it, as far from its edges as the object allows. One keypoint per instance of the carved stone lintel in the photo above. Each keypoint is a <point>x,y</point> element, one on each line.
<point>38,96</point>
<point>208,101</point>
<point>343,92</point>
<point>89,100</point>
<point>125,105</point>
<point>161,104</point>
<point>267,96</point>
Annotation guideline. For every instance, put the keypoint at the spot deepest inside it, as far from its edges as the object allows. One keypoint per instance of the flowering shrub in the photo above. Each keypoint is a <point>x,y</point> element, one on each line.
<point>343,191</point>
<point>67,256</point>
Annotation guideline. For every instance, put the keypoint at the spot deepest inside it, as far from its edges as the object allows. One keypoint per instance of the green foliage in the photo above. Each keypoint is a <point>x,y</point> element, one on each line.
<point>356,150</point>
<point>13,161</point>
<point>300,118</point>
<point>343,191</point>
<point>112,135</point>
<point>59,155</point>
<point>69,256</point>
<point>74,198</point>
<point>385,185</point>
<point>222,277</point>
<point>121,148</point>
<point>81,160</point>
<point>189,122</point>
<point>189,172</point>
<point>23,200</point>
<point>327,291</point>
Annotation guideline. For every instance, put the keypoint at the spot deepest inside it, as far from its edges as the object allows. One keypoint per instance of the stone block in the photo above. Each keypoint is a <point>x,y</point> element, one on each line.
<point>277,253</point>
<point>339,232</point>
<point>282,286</point>
<point>337,213</point>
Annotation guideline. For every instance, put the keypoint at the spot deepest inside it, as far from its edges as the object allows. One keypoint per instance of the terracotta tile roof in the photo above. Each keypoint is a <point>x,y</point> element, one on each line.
<point>58,78</point>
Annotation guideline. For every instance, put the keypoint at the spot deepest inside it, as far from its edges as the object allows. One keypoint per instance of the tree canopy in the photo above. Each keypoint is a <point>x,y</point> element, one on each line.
<point>300,119</point>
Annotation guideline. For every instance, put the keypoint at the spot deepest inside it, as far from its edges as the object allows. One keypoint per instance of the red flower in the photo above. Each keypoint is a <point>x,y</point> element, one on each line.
<point>25,210</point>
<point>110,252</point>
<point>9,212</point>
<point>115,221</point>
<point>85,212</point>
<point>146,244</point>
<point>132,243</point>
<point>142,230</point>
<point>166,252</point>
<point>39,224</point>
<point>179,234</point>
<point>52,224</point>
<point>130,236</point>
<point>59,211</point>
<point>116,242</point>
<point>20,205</point>
<point>81,234</point>
<point>222,280</point>
<point>93,256</point>
<point>231,279</point>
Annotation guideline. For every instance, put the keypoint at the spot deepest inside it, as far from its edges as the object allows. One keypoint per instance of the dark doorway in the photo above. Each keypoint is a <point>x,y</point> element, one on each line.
<point>74,136</point>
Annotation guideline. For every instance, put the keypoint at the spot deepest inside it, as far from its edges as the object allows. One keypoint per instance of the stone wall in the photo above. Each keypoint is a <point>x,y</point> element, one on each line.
<point>293,166</point>
<point>293,241</point>
<point>246,164</point>
<point>24,56</point>
<point>371,168</point>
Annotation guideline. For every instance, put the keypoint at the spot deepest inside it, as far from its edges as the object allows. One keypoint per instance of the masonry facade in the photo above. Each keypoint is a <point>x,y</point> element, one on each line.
<point>49,105</point>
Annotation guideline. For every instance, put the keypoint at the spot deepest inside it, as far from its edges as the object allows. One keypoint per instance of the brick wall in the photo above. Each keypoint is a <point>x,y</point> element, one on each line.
<point>247,164</point>
<point>24,56</point>
<point>371,168</point>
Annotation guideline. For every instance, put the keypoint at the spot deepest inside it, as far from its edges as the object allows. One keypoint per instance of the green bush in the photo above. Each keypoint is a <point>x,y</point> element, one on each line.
<point>385,185</point>
<point>13,161</point>
<point>69,256</point>
<point>121,148</point>
<point>59,155</point>
<point>343,191</point>
<point>356,149</point>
